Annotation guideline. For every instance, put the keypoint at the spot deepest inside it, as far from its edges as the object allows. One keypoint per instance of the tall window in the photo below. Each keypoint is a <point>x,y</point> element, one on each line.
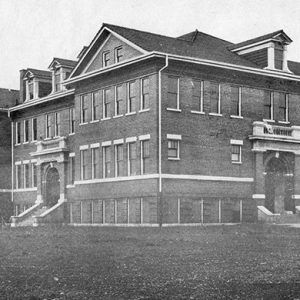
<point>57,80</point>
<point>96,105</point>
<point>278,58</point>
<point>197,100</point>
<point>95,163</point>
<point>118,160</point>
<point>212,96</point>
<point>106,103</point>
<point>71,168</point>
<point>57,124</point>
<point>268,105</point>
<point>145,156</point>
<point>120,95</point>
<point>18,177</point>
<point>106,161</point>
<point>83,164</point>
<point>30,89</point>
<point>132,159</point>
<point>26,131</point>
<point>85,102</point>
<point>48,126</point>
<point>131,102</point>
<point>236,154</point>
<point>18,132</point>
<point>283,101</point>
<point>26,176</point>
<point>236,101</point>
<point>106,58</point>
<point>34,175</point>
<point>118,54</point>
<point>34,129</point>
<point>173,92</point>
<point>173,149</point>
<point>145,100</point>
<point>72,120</point>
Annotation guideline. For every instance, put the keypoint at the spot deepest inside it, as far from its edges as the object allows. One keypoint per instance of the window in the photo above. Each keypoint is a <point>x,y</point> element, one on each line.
<point>118,160</point>
<point>18,177</point>
<point>145,102</point>
<point>131,97</point>
<point>268,105</point>
<point>173,149</point>
<point>85,100</point>
<point>106,59</point>
<point>30,89</point>
<point>57,83</point>
<point>118,54</point>
<point>96,106</point>
<point>131,151</point>
<point>26,175</point>
<point>26,131</point>
<point>145,156</point>
<point>236,151</point>
<point>173,92</point>
<point>18,132</point>
<point>71,168</point>
<point>48,126</point>
<point>283,101</point>
<point>72,120</point>
<point>197,96</point>
<point>106,161</point>
<point>213,97</point>
<point>120,95</point>
<point>83,164</point>
<point>236,101</point>
<point>278,58</point>
<point>34,129</point>
<point>95,163</point>
<point>106,103</point>
<point>34,175</point>
<point>57,124</point>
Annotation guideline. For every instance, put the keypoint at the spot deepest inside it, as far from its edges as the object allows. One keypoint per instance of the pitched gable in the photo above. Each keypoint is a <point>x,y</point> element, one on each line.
<point>113,47</point>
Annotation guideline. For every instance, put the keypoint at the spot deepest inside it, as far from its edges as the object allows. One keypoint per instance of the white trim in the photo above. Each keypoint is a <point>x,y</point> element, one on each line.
<point>130,113</point>
<point>144,137</point>
<point>18,163</point>
<point>174,136</point>
<point>25,162</point>
<point>32,189</point>
<point>72,154</point>
<point>237,142</point>
<point>173,109</point>
<point>131,139</point>
<point>95,145</point>
<point>207,178</point>
<point>33,161</point>
<point>236,117</point>
<point>215,114</point>
<point>253,47</point>
<point>144,110</point>
<point>105,144</point>
<point>296,197</point>
<point>32,135</point>
<point>83,147</point>
<point>197,112</point>
<point>258,196</point>
<point>118,142</point>
<point>6,190</point>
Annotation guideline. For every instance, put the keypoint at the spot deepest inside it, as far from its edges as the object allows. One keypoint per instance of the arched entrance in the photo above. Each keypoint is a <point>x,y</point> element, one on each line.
<point>52,187</point>
<point>278,186</point>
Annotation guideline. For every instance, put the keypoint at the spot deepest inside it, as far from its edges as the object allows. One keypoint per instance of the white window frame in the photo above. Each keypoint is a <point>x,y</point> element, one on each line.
<point>71,168</point>
<point>93,106</point>
<point>104,147</point>
<point>272,108</point>
<point>17,133</point>
<point>33,165</point>
<point>118,143</point>
<point>56,125</point>
<point>71,117</point>
<point>286,121</point>
<point>142,140</point>
<point>128,97</point>
<point>48,134</point>
<point>239,104</point>
<point>238,143</point>
<point>201,97</point>
<point>26,180</point>
<point>94,147</point>
<point>142,108</point>
<point>105,117</point>
<point>82,149</point>
<point>219,101</point>
<point>104,65</point>
<point>130,141</point>
<point>116,100</point>
<point>18,168</point>
<point>117,60</point>
<point>178,95</point>
<point>26,138</point>
<point>177,138</point>
<point>32,130</point>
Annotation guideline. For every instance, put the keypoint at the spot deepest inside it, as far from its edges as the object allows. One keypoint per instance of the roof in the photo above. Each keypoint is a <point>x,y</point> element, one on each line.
<point>194,44</point>
<point>64,62</point>
<point>260,39</point>
<point>294,67</point>
<point>8,97</point>
<point>39,73</point>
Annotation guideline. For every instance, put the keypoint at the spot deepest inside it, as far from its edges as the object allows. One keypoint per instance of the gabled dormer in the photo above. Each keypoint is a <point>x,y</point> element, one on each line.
<point>268,51</point>
<point>60,70</point>
<point>37,83</point>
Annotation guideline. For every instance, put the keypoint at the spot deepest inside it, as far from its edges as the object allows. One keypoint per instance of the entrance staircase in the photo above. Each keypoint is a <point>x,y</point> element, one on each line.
<point>287,217</point>
<point>30,220</point>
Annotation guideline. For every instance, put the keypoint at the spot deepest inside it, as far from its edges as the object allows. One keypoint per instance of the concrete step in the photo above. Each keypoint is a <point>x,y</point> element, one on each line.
<point>30,219</point>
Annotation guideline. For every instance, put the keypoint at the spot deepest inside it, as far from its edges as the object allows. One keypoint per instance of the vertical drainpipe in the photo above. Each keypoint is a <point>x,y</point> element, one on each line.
<point>12,159</point>
<point>159,136</point>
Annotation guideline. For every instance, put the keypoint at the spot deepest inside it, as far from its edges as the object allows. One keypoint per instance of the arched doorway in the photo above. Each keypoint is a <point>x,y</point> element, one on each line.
<point>278,186</point>
<point>52,187</point>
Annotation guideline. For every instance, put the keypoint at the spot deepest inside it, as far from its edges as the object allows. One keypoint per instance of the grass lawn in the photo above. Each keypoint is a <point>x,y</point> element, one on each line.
<point>209,262</point>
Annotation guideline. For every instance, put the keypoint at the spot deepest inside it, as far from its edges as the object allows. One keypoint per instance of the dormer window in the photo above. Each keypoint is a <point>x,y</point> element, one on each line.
<point>118,54</point>
<point>30,89</point>
<point>57,81</point>
<point>106,58</point>
<point>278,57</point>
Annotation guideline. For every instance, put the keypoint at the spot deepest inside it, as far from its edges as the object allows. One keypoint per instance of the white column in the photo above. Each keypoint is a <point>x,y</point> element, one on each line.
<point>285,62</point>
<point>53,81</point>
<point>35,88</point>
<point>27,90</point>
<point>271,56</point>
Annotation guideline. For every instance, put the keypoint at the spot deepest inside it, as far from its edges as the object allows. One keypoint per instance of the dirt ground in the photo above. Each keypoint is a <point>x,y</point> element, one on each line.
<point>207,262</point>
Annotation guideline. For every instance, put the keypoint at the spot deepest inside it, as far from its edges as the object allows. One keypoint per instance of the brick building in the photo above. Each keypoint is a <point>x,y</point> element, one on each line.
<point>147,129</point>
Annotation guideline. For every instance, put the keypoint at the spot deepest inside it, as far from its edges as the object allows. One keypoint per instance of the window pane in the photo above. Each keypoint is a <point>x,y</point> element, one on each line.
<point>173,92</point>
<point>214,97</point>
<point>267,105</point>
<point>196,97</point>
<point>34,129</point>
<point>234,97</point>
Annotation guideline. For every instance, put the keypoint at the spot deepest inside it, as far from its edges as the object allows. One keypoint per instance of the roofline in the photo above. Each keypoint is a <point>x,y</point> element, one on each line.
<point>96,38</point>
<point>264,72</point>
<point>55,59</point>
<point>41,100</point>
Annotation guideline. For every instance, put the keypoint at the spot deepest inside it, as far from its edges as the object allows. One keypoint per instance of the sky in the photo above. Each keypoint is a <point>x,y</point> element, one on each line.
<point>35,31</point>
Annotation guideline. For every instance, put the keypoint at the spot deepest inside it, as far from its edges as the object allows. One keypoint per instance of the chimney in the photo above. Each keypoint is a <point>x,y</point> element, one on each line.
<point>22,87</point>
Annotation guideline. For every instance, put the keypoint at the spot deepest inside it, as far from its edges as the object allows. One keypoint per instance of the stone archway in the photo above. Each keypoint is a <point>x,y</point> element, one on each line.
<point>52,186</point>
<point>278,185</point>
